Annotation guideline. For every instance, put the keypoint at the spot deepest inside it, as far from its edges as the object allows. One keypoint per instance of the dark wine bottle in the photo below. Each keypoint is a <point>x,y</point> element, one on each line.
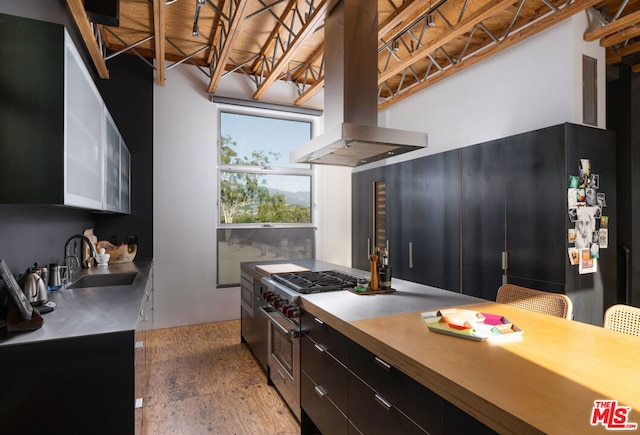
<point>385,272</point>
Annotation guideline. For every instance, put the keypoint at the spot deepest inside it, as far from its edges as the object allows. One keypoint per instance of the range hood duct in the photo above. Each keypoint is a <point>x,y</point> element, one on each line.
<point>352,136</point>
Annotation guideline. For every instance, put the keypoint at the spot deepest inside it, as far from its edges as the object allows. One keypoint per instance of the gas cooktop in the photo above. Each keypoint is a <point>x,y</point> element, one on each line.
<point>316,282</point>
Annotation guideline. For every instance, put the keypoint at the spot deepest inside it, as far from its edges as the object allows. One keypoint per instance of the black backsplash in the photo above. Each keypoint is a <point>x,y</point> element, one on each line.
<point>30,234</point>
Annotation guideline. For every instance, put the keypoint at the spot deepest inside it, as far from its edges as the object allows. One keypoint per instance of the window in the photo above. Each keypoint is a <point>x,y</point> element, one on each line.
<point>265,201</point>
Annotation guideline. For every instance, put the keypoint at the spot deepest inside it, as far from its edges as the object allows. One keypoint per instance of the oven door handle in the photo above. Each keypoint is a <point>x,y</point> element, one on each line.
<point>292,333</point>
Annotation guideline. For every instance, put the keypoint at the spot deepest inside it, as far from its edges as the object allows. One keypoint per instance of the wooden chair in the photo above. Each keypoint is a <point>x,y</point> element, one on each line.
<point>553,304</point>
<point>623,318</point>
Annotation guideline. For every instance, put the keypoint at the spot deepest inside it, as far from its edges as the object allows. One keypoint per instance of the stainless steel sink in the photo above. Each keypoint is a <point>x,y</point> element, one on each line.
<point>104,280</point>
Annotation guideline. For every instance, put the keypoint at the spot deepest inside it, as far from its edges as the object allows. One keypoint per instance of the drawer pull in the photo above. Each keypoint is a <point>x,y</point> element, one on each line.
<point>318,321</point>
<point>320,391</point>
<point>319,348</point>
<point>385,365</point>
<point>383,402</point>
<point>281,375</point>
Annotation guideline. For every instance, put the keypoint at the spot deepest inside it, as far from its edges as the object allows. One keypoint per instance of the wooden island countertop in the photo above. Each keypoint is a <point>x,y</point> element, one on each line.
<point>545,381</point>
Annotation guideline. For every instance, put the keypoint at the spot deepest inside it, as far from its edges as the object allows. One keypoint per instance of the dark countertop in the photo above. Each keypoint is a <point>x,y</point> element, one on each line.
<point>90,311</point>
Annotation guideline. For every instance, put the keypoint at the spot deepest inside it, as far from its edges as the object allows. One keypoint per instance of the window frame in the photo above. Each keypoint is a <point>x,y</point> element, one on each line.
<point>266,170</point>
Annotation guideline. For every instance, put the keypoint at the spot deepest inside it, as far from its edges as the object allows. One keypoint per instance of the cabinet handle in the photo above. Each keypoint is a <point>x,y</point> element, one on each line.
<point>410,255</point>
<point>318,321</point>
<point>385,365</point>
<point>319,348</point>
<point>368,246</point>
<point>383,402</point>
<point>281,375</point>
<point>320,392</point>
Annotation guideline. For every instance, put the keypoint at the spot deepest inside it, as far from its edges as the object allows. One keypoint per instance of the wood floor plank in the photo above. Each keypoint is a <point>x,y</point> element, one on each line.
<point>201,379</point>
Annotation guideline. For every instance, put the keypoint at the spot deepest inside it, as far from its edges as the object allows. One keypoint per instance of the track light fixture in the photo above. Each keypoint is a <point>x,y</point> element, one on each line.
<point>196,31</point>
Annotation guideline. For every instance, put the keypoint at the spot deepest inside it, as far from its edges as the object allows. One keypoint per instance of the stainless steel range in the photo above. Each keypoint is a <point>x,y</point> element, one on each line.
<point>282,293</point>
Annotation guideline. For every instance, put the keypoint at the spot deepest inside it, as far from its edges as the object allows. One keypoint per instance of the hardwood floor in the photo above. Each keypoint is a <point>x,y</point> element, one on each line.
<point>203,380</point>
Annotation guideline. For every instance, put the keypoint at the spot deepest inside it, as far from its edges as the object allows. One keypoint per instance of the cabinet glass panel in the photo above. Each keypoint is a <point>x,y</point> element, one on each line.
<point>125,161</point>
<point>112,167</point>
<point>83,185</point>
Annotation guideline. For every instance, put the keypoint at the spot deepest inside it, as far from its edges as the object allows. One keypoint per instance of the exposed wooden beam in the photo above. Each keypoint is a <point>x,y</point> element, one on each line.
<point>620,37</point>
<point>266,48</point>
<point>464,26</point>
<point>234,27</point>
<point>615,56</point>
<point>308,28</point>
<point>635,68</point>
<point>299,72</point>
<point>84,26</point>
<point>158,28</point>
<point>533,29</point>
<point>217,33</point>
<point>310,92</point>
<point>613,27</point>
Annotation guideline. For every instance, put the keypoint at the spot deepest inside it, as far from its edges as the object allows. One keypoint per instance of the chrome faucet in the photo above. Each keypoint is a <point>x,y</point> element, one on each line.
<point>67,257</point>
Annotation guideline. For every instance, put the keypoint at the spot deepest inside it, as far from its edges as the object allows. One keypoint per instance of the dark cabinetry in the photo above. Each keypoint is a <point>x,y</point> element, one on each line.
<point>470,219</point>
<point>424,220</point>
<point>253,323</point>
<point>347,389</point>
<point>362,220</point>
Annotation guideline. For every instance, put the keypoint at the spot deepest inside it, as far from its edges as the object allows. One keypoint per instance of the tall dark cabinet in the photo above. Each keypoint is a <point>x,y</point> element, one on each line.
<point>498,212</point>
<point>483,217</point>
<point>424,219</point>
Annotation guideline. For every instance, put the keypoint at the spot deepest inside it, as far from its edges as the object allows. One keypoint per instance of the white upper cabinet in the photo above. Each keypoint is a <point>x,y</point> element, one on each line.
<point>58,143</point>
<point>83,134</point>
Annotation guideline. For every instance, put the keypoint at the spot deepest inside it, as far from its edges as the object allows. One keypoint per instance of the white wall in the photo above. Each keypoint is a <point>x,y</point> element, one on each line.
<point>534,84</point>
<point>185,194</point>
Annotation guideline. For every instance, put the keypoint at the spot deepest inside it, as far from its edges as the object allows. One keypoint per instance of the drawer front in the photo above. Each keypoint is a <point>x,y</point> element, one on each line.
<point>371,413</point>
<point>324,335</point>
<point>458,421</point>
<point>413,399</point>
<point>327,373</point>
<point>326,417</point>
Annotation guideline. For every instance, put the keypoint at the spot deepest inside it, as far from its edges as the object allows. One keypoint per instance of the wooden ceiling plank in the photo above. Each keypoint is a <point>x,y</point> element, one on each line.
<point>266,48</point>
<point>620,37</point>
<point>408,11</point>
<point>80,17</point>
<point>613,27</point>
<point>635,68</point>
<point>310,92</point>
<point>160,43</point>
<point>234,27</point>
<point>515,38</point>
<point>308,28</point>
<point>464,26</point>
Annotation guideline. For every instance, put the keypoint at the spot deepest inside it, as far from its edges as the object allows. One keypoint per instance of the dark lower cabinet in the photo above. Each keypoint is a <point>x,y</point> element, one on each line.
<point>457,422</point>
<point>320,414</point>
<point>372,413</point>
<point>360,393</point>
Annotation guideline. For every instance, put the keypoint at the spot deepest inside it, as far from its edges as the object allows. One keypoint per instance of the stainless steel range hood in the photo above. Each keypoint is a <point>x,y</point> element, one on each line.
<point>352,136</point>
